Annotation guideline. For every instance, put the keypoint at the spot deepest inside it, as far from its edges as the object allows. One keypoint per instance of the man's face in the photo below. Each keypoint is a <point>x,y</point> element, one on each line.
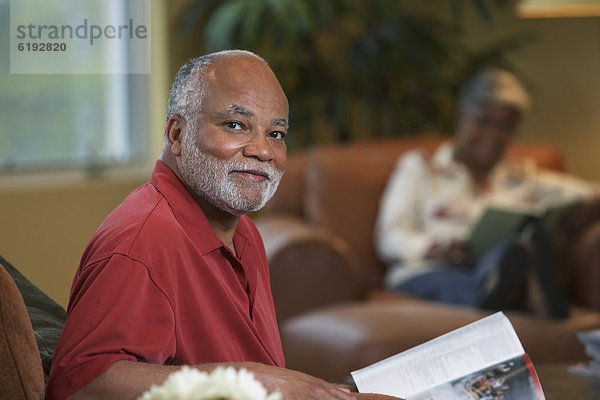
<point>233,153</point>
<point>484,134</point>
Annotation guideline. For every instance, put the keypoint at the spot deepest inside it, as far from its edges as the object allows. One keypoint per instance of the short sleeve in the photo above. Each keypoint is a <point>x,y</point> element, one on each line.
<point>117,312</point>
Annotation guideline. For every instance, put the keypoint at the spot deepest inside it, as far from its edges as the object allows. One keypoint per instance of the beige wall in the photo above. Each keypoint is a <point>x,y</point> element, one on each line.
<point>562,63</point>
<point>44,231</point>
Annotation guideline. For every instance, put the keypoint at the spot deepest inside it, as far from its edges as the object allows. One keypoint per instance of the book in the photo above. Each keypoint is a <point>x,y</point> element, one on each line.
<point>482,360</point>
<point>498,223</point>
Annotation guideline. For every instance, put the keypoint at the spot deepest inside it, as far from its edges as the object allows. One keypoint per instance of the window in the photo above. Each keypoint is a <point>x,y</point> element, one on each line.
<point>58,121</point>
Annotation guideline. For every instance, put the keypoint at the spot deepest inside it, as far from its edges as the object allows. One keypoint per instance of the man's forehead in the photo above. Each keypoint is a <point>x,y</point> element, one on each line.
<point>242,84</point>
<point>238,67</point>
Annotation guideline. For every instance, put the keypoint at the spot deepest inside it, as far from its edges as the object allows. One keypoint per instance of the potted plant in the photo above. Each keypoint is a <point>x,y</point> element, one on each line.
<point>355,69</point>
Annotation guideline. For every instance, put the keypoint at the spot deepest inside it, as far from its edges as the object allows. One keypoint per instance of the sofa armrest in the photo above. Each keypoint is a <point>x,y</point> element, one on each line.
<point>331,342</point>
<point>309,267</point>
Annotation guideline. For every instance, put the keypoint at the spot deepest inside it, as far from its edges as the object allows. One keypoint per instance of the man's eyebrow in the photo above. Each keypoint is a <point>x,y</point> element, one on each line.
<point>281,122</point>
<point>235,109</point>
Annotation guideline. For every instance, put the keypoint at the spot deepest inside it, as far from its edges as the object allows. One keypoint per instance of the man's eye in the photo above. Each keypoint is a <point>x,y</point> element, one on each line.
<point>277,135</point>
<point>234,125</point>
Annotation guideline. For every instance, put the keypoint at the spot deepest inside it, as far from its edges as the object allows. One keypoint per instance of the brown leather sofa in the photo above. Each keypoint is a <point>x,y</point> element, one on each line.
<point>326,279</point>
<point>21,373</point>
<point>30,326</point>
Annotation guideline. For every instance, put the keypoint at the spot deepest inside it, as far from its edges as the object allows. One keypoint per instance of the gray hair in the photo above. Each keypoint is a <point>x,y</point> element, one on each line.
<point>187,91</point>
<point>494,86</point>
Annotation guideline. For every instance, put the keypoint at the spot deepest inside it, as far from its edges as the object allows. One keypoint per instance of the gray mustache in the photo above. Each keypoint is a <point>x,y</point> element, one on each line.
<point>269,171</point>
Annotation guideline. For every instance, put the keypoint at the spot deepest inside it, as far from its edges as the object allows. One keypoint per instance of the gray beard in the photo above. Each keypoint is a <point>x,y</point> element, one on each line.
<point>210,178</point>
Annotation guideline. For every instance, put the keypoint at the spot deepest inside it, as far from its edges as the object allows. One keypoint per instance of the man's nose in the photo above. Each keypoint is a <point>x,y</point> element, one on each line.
<point>259,148</point>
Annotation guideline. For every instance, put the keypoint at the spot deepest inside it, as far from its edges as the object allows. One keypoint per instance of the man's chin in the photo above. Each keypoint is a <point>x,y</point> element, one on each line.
<point>240,208</point>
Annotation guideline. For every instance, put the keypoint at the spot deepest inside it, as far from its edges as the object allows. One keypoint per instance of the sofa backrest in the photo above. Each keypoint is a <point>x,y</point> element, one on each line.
<point>338,188</point>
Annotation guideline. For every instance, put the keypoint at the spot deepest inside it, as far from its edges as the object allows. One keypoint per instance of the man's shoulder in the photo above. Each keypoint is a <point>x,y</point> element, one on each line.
<point>144,213</point>
<point>144,207</point>
<point>415,158</point>
<point>424,159</point>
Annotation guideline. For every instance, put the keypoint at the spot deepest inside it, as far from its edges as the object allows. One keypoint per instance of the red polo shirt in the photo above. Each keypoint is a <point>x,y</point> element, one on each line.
<point>155,284</point>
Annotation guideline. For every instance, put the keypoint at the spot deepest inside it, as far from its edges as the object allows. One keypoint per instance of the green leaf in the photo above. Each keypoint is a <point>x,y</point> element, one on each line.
<point>456,9</point>
<point>221,26</point>
<point>194,14</point>
<point>252,24</point>
<point>483,10</point>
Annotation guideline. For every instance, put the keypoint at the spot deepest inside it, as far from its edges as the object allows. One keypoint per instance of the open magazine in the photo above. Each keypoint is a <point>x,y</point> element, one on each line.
<point>483,360</point>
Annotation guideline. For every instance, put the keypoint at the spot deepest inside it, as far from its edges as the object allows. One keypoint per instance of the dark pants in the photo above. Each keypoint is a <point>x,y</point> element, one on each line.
<point>497,280</point>
<point>543,262</point>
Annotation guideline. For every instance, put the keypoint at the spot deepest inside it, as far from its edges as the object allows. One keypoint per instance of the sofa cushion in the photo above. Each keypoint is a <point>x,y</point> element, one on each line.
<point>21,373</point>
<point>47,317</point>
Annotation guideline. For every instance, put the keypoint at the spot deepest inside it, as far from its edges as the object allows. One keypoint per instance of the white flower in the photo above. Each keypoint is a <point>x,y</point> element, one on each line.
<point>221,384</point>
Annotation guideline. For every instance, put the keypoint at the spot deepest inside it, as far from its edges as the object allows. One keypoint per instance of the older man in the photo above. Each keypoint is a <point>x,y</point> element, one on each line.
<point>177,274</point>
<point>431,204</point>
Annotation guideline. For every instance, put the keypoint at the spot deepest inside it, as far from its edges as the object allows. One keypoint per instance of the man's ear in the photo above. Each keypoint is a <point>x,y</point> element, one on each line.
<point>174,132</point>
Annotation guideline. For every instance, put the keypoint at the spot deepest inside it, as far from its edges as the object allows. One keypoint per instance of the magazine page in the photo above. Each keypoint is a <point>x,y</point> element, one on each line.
<point>513,379</point>
<point>484,343</point>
